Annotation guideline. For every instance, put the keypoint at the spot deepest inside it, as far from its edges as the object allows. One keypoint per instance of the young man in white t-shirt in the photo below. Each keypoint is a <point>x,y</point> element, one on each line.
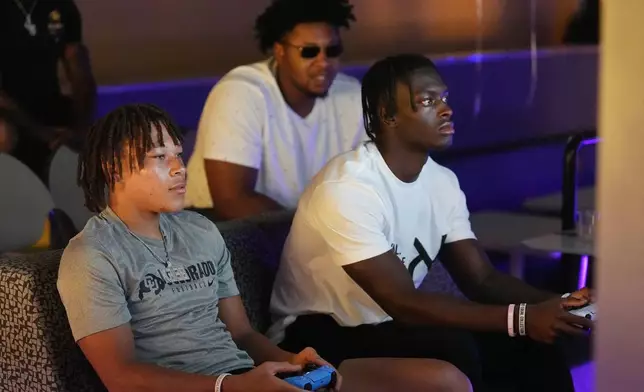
<point>366,233</point>
<point>268,127</point>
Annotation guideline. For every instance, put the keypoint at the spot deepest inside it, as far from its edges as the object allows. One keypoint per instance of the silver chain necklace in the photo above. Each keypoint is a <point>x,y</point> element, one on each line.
<point>29,25</point>
<point>165,262</point>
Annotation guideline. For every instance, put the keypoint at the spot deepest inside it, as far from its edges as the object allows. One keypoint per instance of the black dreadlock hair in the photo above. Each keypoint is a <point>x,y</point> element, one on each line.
<point>100,163</point>
<point>379,87</point>
<point>283,15</point>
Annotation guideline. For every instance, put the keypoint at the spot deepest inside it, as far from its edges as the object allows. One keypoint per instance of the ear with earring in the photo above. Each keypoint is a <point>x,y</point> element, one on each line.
<point>387,119</point>
<point>390,121</point>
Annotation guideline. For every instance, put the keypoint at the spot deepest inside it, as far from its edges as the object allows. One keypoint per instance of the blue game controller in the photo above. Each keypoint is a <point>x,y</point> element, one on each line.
<point>311,378</point>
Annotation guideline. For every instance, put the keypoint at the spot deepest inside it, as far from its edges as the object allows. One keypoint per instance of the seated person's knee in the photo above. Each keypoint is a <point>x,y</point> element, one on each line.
<point>431,375</point>
<point>446,377</point>
<point>404,374</point>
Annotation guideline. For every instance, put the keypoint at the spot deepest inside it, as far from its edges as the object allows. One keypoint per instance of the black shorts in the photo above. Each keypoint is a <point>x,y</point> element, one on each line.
<point>492,361</point>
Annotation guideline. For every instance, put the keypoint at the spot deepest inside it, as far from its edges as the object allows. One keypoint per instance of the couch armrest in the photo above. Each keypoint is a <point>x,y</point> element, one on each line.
<point>37,351</point>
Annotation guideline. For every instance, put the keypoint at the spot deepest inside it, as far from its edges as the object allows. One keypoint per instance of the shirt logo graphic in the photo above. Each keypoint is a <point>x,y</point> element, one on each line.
<point>422,255</point>
<point>151,284</point>
<point>178,279</point>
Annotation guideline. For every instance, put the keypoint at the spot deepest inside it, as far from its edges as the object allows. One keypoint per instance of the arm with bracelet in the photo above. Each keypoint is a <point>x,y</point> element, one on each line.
<point>354,230</point>
<point>100,319</point>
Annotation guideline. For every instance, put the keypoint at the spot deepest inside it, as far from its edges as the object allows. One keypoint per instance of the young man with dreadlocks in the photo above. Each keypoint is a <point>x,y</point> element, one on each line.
<point>149,290</point>
<point>268,127</point>
<point>369,228</point>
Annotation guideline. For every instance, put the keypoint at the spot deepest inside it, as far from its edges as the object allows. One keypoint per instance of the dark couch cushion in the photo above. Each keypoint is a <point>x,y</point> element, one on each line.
<point>255,246</point>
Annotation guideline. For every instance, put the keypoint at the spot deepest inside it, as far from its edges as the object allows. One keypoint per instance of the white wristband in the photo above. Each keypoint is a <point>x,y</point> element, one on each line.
<point>565,295</point>
<point>511,321</point>
<point>220,380</point>
<point>522,309</point>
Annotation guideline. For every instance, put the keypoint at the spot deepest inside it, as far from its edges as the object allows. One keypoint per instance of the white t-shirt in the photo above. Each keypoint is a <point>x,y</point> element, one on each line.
<point>246,121</point>
<point>353,210</point>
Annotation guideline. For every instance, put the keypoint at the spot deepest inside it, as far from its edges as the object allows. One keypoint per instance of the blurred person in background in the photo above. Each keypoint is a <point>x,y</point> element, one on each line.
<point>268,127</point>
<point>37,38</point>
<point>583,28</point>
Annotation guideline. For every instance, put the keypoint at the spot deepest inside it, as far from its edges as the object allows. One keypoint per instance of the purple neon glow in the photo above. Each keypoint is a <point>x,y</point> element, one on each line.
<point>583,269</point>
<point>583,272</point>
<point>440,60</point>
<point>588,142</point>
<point>584,377</point>
<point>156,86</point>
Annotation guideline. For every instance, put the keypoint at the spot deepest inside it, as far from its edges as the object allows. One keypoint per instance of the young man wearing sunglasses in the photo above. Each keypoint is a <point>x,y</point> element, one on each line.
<point>268,127</point>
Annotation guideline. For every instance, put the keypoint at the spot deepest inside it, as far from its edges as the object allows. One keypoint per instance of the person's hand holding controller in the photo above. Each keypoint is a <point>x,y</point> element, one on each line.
<point>262,379</point>
<point>548,320</point>
<point>309,355</point>
<point>584,294</point>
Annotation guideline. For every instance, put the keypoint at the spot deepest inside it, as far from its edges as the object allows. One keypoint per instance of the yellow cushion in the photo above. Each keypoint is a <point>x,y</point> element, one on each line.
<point>43,242</point>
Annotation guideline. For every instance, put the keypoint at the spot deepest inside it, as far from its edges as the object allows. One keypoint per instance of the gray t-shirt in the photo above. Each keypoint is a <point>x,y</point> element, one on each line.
<point>109,277</point>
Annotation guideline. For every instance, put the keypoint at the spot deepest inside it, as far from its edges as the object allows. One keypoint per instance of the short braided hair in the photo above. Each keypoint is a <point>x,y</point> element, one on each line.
<point>379,87</point>
<point>99,163</point>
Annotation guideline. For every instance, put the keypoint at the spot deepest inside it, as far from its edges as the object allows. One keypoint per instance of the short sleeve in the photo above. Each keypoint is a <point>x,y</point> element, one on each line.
<point>231,124</point>
<point>91,291</point>
<point>225,277</point>
<point>351,221</point>
<point>73,23</point>
<point>459,216</point>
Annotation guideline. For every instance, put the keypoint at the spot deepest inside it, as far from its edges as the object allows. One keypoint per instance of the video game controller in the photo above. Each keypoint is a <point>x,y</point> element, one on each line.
<point>311,378</point>
<point>587,311</point>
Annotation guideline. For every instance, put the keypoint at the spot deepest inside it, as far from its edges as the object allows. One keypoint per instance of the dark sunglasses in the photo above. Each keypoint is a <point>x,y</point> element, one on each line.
<point>312,51</point>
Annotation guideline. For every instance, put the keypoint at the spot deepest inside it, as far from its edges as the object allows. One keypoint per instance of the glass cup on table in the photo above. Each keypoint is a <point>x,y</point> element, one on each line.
<point>586,224</point>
